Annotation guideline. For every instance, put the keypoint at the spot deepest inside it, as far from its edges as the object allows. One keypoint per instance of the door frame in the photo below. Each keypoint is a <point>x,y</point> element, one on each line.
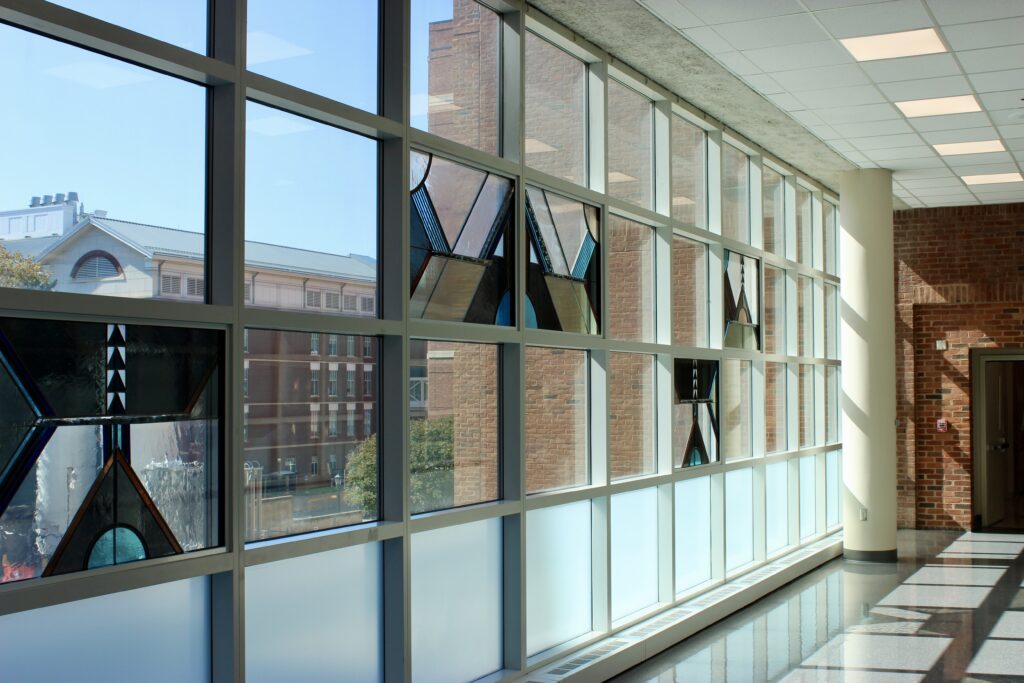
<point>978,358</point>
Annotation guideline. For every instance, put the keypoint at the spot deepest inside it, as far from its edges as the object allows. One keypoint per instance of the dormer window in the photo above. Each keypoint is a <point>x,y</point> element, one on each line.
<point>96,265</point>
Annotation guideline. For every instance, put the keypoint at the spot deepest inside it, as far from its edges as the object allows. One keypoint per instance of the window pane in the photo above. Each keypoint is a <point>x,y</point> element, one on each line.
<point>775,407</point>
<point>292,423</point>
<point>831,238</point>
<point>773,189</point>
<point>630,145</point>
<point>807,496</point>
<point>304,43</point>
<point>283,628</point>
<point>634,551</point>
<point>556,111</point>
<point>693,533</point>
<point>804,316</point>
<point>735,194</point>
<point>326,255</point>
<point>454,424</point>
<point>563,270</point>
<point>455,72</point>
<point>833,488</point>
<point>739,518</point>
<point>182,22</point>
<point>695,412</point>
<point>689,292</point>
<point>831,321</point>
<point>51,241</point>
<point>689,173</point>
<point>456,602</point>
<point>806,406</point>
<point>776,482</point>
<point>460,226</point>
<point>631,409</point>
<point>557,418</point>
<point>831,404</point>
<point>631,269</point>
<point>774,310</point>
<point>742,304</point>
<point>558,575</point>
<point>803,225</point>
<point>736,409</point>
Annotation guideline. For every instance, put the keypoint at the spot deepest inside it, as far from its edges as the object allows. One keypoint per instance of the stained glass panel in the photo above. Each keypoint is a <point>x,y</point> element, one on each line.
<point>742,305</point>
<point>695,412</point>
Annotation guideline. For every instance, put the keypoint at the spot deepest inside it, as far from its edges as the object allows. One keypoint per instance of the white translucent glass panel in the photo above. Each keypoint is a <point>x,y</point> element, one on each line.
<point>312,629</point>
<point>159,633</point>
<point>456,602</point>
<point>807,496</point>
<point>558,575</point>
<point>833,488</point>
<point>634,551</point>
<point>739,518</point>
<point>776,504</point>
<point>693,533</point>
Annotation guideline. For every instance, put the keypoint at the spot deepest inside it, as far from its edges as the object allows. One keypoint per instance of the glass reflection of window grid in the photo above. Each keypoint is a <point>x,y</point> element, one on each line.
<point>742,302</point>
<point>695,413</point>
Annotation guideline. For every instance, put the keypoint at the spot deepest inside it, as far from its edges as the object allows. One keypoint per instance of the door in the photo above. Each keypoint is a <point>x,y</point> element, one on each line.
<point>999,435</point>
<point>998,379</point>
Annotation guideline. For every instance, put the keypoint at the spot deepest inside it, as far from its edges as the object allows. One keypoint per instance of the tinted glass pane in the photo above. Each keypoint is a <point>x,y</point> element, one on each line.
<point>693,533</point>
<point>774,310</point>
<point>804,316</point>
<point>460,227</point>
<point>298,173</point>
<point>776,504</point>
<point>309,427</point>
<point>735,194</point>
<point>631,414</point>
<point>695,412</point>
<point>831,404</point>
<point>831,321</point>
<point>631,270</point>
<point>689,292</point>
<point>689,173</point>
<point>181,22</point>
<point>773,191</point>
<point>113,225</point>
<point>630,145</point>
<point>830,239</point>
<point>736,409</point>
<point>304,43</point>
<point>806,401</point>
<point>454,425</point>
<point>556,111</point>
<point>557,419</point>
<point>803,225</point>
<point>564,265</point>
<point>742,303</point>
<point>455,71</point>
<point>775,407</point>
<point>739,518</point>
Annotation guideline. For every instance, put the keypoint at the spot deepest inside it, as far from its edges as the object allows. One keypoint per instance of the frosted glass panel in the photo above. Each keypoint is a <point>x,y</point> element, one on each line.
<point>456,603</point>
<point>693,533</point>
<point>634,551</point>
<point>807,496</point>
<point>310,629</point>
<point>833,490</point>
<point>739,518</point>
<point>160,633</point>
<point>558,574</point>
<point>776,521</point>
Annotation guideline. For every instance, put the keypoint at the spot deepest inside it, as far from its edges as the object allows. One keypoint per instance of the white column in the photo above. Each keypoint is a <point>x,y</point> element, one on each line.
<point>869,365</point>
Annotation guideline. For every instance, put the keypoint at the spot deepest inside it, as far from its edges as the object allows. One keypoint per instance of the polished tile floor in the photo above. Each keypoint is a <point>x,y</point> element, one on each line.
<point>951,609</point>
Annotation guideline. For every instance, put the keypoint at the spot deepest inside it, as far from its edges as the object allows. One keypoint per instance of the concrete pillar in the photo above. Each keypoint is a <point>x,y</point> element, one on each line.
<point>869,365</point>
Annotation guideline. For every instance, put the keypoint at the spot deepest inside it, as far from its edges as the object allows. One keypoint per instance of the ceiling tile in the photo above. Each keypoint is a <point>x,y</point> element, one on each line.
<point>1012,144</point>
<point>737,63</point>
<point>821,77</point>
<point>807,117</point>
<point>950,121</point>
<point>994,101</point>
<point>992,59</point>
<point>1005,117</point>
<point>921,183</point>
<point>915,162</point>
<point>706,39</point>
<point>869,20</point>
<point>866,112</point>
<point>825,132</point>
<point>903,176</point>
<point>958,161</point>
<point>996,33</point>
<point>997,81</point>
<point>962,11</point>
<point>953,202</point>
<point>866,128</point>
<point>786,102</point>
<point>887,153</point>
<point>785,30</point>
<point>910,68</point>
<point>673,13</point>
<point>1012,131</point>
<point>718,12</point>
<point>839,97</point>
<point>926,88</point>
<point>855,157</point>
<point>815,5</point>
<point>786,57</point>
<point>960,135</point>
<point>940,192</point>
<point>985,169</point>
<point>847,146</point>
<point>885,141</point>
<point>764,84</point>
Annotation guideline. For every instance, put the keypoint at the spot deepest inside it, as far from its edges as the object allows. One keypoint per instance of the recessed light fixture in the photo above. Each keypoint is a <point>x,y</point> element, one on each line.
<point>993,178</point>
<point>979,147</point>
<point>939,106</point>
<point>924,41</point>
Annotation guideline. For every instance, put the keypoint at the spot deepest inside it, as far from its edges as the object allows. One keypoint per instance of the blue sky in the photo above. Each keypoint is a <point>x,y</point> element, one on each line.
<point>133,142</point>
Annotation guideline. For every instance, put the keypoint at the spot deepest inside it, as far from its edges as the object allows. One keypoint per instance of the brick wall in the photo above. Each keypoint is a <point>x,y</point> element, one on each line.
<point>959,277</point>
<point>689,292</point>
<point>631,269</point>
<point>556,418</point>
<point>631,414</point>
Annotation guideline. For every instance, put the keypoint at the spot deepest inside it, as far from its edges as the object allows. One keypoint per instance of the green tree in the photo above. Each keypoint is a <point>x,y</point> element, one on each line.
<point>24,272</point>
<point>431,462</point>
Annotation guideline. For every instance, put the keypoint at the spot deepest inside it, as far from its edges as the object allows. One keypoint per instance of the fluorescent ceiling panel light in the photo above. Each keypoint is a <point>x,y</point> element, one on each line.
<point>924,41</point>
<point>979,147</point>
<point>939,106</point>
<point>993,178</point>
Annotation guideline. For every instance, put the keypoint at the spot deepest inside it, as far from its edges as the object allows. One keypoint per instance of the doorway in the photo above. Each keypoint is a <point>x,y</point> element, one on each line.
<point>997,384</point>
